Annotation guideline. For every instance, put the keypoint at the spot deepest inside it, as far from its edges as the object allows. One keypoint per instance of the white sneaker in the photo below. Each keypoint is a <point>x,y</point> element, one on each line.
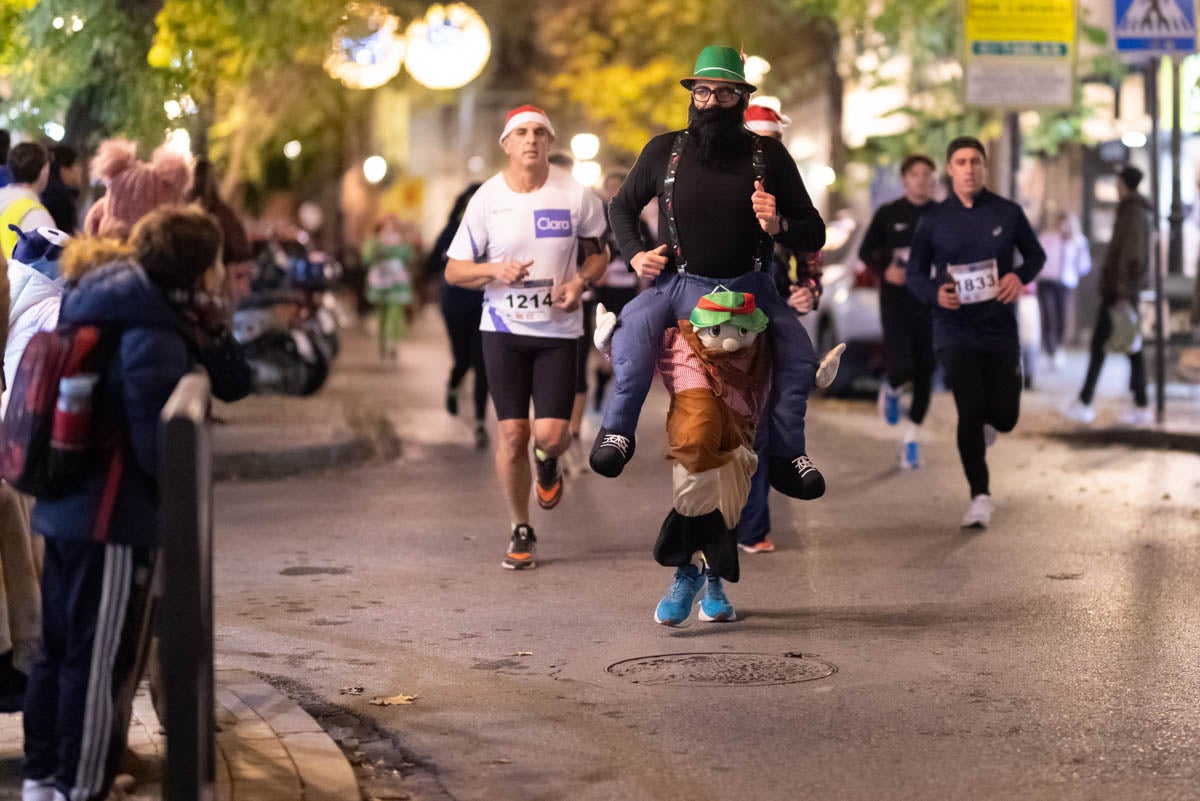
<point>989,435</point>
<point>33,790</point>
<point>1137,416</point>
<point>1080,412</point>
<point>979,513</point>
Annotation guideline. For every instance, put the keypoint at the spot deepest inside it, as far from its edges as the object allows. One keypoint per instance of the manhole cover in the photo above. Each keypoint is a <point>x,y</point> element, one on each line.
<point>722,670</point>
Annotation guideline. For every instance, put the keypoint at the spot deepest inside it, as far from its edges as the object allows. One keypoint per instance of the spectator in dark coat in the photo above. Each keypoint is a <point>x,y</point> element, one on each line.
<point>101,540</point>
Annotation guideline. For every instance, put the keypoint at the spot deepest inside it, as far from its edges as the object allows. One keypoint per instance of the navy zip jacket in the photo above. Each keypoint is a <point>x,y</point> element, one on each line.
<point>951,233</point>
<point>155,351</point>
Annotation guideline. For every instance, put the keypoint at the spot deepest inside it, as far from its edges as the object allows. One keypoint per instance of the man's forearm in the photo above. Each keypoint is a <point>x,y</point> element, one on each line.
<point>468,275</point>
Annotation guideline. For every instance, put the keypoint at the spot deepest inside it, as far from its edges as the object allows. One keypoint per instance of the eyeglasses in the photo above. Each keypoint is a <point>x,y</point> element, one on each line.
<point>724,94</point>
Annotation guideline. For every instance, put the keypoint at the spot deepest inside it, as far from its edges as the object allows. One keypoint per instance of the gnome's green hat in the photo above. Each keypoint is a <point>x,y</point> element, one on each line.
<point>717,63</point>
<point>723,306</point>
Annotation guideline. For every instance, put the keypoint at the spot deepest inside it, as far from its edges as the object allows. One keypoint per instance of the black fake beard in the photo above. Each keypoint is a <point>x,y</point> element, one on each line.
<point>720,133</point>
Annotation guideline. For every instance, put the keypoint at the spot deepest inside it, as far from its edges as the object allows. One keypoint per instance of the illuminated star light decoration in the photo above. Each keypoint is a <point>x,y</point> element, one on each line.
<point>368,49</point>
<point>449,47</point>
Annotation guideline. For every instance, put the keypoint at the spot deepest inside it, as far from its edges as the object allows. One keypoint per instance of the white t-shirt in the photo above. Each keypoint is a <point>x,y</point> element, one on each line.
<point>544,226</point>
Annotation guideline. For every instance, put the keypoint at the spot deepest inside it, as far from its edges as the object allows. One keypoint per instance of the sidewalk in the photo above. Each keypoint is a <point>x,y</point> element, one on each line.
<point>1054,390</point>
<point>268,749</point>
<point>345,423</point>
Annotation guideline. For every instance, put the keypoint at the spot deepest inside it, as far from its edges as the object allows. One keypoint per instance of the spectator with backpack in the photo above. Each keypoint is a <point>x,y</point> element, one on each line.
<point>142,313</point>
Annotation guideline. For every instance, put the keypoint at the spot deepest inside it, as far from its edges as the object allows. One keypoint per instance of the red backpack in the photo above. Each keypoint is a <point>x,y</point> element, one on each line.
<point>58,424</point>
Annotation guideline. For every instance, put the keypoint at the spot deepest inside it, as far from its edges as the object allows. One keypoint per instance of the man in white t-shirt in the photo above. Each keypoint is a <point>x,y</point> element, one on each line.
<point>519,241</point>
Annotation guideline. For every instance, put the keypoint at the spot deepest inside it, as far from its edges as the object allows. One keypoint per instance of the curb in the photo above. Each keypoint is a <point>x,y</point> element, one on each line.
<point>1131,437</point>
<point>373,439</point>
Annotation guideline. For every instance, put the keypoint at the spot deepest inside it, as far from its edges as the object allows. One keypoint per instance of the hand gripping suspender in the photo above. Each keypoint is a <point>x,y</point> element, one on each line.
<point>759,161</point>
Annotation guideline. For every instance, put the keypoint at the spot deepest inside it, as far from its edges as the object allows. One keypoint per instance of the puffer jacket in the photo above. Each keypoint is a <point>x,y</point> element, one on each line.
<point>33,306</point>
<point>155,351</point>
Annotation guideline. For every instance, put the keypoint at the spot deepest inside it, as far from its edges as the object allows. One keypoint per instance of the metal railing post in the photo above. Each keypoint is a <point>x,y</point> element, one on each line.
<point>186,622</point>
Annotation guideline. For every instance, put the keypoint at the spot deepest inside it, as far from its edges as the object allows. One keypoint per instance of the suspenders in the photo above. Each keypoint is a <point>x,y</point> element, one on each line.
<point>766,245</point>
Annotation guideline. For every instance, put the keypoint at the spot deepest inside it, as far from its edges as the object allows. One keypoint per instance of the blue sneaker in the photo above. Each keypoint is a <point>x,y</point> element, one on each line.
<point>676,606</point>
<point>889,403</point>
<point>714,606</point>
<point>910,455</point>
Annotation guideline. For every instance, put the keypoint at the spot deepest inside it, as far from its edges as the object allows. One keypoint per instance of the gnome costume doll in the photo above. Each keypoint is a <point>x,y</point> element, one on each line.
<point>718,371</point>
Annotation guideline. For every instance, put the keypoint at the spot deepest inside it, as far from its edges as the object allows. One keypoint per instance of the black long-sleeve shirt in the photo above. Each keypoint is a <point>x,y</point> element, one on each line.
<point>892,227</point>
<point>951,233</point>
<point>718,232</point>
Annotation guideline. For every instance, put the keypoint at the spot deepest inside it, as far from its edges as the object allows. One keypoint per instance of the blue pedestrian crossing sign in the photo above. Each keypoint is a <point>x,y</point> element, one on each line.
<point>1152,27</point>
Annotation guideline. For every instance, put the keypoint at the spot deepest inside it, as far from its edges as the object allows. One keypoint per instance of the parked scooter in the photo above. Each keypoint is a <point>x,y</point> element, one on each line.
<point>288,326</point>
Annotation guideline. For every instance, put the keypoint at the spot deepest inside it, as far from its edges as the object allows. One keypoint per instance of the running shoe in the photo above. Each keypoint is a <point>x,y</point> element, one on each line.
<point>38,790</point>
<point>549,485</point>
<point>521,549</point>
<point>889,403</point>
<point>989,434</point>
<point>1137,416</point>
<point>796,478</point>
<point>910,455</point>
<point>762,546</point>
<point>1080,412</point>
<point>481,436</point>
<point>676,606</point>
<point>715,606</point>
<point>611,452</point>
<point>979,513</point>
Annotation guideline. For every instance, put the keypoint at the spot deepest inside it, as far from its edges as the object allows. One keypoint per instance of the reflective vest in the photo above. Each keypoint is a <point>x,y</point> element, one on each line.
<point>12,214</point>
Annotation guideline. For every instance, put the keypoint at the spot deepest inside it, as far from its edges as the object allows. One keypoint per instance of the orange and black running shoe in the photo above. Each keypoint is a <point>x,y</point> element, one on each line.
<point>549,484</point>
<point>521,549</point>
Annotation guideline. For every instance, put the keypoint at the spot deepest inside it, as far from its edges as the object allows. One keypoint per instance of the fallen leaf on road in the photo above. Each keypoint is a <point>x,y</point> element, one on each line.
<point>500,762</point>
<point>524,653</point>
<point>395,700</point>
<point>1064,576</point>
<point>352,690</point>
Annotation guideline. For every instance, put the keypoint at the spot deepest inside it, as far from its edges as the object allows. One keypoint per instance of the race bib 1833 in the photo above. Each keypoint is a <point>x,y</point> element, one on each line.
<point>975,282</point>
<point>528,301</point>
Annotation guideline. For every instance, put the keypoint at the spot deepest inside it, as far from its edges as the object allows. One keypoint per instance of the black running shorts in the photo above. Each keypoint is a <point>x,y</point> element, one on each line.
<point>522,367</point>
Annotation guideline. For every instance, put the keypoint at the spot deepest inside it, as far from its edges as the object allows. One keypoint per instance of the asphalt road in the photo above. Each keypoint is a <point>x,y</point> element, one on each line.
<point>1051,657</point>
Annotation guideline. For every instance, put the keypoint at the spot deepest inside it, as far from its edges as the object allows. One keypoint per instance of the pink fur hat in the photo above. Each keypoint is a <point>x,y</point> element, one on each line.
<point>135,188</point>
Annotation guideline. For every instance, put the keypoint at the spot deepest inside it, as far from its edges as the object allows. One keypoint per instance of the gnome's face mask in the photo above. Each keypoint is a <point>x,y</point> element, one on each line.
<point>727,337</point>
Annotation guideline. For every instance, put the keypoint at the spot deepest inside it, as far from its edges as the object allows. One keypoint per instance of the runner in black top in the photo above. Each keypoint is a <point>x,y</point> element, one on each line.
<point>907,328</point>
<point>968,244</point>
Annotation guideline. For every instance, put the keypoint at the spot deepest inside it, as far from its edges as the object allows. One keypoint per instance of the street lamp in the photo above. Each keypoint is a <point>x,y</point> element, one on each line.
<point>585,146</point>
<point>367,49</point>
<point>587,172</point>
<point>375,169</point>
<point>449,47</point>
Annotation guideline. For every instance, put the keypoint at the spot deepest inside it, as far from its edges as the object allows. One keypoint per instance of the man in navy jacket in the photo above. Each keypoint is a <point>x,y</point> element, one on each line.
<point>963,265</point>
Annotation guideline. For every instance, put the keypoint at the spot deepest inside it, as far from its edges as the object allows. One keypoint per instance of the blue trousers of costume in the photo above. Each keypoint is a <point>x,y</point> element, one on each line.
<point>672,298</point>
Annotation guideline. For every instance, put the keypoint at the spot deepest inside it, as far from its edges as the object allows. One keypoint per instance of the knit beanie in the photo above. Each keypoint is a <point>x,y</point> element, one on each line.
<point>135,188</point>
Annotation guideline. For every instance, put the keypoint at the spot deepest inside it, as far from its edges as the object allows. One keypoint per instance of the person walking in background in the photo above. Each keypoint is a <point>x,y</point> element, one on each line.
<point>19,203</point>
<point>1068,258</point>
<point>5,143</point>
<point>461,308</point>
<point>1122,275</point>
<point>61,195</point>
<point>389,284</point>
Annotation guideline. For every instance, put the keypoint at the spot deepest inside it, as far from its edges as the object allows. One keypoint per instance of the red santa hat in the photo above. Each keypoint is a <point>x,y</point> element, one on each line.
<point>764,120</point>
<point>524,115</point>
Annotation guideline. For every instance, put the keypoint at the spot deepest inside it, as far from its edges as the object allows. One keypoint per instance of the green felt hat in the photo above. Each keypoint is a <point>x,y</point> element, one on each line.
<point>724,306</point>
<point>717,63</point>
